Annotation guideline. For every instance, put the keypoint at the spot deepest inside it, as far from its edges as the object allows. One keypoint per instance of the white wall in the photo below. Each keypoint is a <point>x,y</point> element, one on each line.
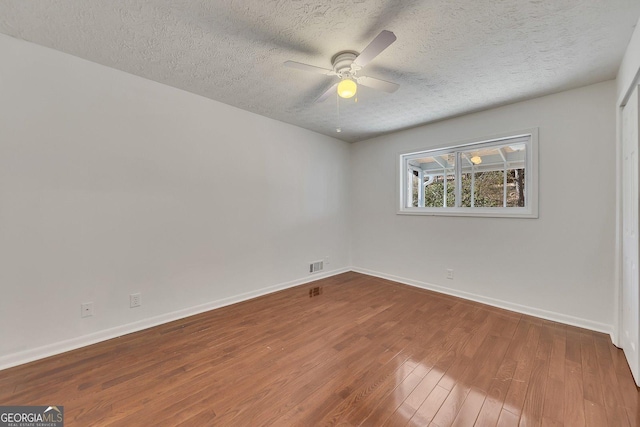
<point>111,184</point>
<point>559,266</point>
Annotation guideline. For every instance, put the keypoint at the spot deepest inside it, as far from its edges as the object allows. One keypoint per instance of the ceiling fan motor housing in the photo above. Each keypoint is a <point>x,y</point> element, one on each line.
<point>343,64</point>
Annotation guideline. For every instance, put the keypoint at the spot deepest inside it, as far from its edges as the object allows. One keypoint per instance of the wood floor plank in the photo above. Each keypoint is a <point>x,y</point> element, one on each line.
<point>532,410</point>
<point>553,410</point>
<point>377,393</point>
<point>633,417</point>
<point>573,394</point>
<point>595,414</point>
<point>558,351</point>
<point>492,406</point>
<point>429,407</point>
<point>507,419</point>
<point>591,382</point>
<point>470,409</point>
<point>422,391</point>
<point>367,351</point>
<point>451,406</point>
<point>515,398</point>
<point>387,406</point>
<point>613,401</point>
<point>572,348</point>
<point>487,362</point>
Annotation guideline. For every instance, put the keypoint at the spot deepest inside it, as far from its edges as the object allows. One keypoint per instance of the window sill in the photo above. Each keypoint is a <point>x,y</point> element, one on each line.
<point>487,213</point>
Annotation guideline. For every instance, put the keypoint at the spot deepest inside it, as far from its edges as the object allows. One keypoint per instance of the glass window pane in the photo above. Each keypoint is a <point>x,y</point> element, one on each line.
<point>483,176</point>
<point>438,180</point>
<point>465,201</point>
<point>515,188</point>
<point>412,189</point>
<point>489,189</point>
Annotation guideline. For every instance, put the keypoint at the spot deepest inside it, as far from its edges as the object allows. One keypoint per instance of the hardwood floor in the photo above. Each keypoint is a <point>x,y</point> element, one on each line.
<point>366,351</point>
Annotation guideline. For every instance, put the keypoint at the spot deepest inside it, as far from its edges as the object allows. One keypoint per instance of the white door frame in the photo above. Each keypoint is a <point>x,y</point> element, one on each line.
<point>624,336</point>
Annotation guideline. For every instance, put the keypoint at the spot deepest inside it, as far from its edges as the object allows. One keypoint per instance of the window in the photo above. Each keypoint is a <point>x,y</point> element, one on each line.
<point>491,177</point>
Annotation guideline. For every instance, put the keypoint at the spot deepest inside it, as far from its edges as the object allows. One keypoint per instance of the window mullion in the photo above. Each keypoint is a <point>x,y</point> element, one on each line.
<point>473,186</point>
<point>458,179</point>
<point>408,199</point>
<point>420,188</point>
<point>444,187</point>
<point>504,186</point>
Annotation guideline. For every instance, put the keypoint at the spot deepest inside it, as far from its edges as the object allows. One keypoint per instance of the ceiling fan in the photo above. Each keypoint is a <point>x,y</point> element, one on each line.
<point>347,64</point>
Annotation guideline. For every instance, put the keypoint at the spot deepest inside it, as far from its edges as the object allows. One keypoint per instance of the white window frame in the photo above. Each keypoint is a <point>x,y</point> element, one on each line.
<point>531,177</point>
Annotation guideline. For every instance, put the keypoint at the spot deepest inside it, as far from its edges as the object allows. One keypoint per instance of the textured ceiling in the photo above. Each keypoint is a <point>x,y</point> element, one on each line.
<point>451,56</point>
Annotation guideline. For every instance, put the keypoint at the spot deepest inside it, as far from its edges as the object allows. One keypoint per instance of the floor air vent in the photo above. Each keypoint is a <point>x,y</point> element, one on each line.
<point>314,292</point>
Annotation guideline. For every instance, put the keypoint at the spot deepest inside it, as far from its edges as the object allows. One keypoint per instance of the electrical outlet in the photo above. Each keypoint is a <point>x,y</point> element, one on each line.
<point>449,274</point>
<point>86,309</point>
<point>326,260</point>
<point>135,300</point>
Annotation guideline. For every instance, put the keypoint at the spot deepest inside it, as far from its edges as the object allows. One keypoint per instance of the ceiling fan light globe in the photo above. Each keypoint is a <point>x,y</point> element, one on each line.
<point>347,88</point>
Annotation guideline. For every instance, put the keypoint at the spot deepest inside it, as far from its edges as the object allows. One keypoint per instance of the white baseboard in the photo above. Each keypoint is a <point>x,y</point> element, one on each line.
<point>524,309</point>
<point>30,355</point>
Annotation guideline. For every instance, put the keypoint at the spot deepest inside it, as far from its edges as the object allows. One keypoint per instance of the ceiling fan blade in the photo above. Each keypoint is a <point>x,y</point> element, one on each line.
<point>378,84</point>
<point>333,89</point>
<point>311,68</point>
<point>380,43</point>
